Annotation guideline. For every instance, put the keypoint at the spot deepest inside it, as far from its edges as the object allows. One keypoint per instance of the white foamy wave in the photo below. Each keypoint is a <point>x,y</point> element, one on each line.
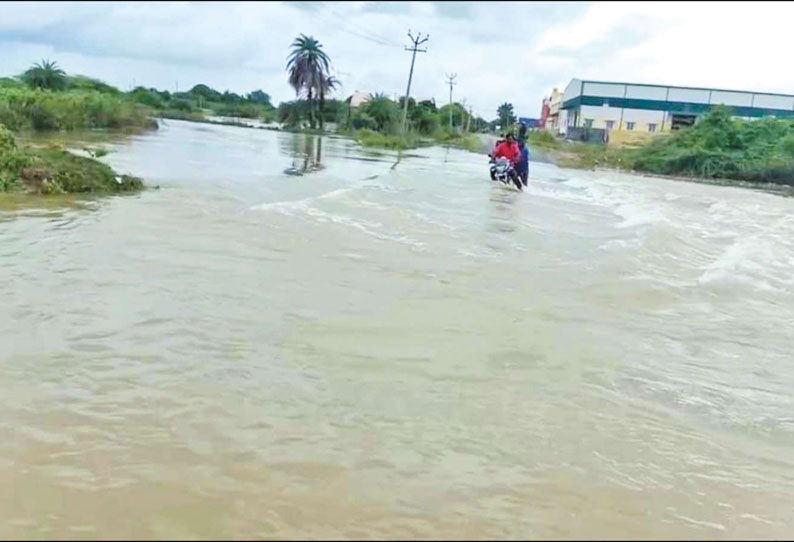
<point>577,182</point>
<point>757,261</point>
<point>638,215</point>
<point>336,194</point>
<point>620,244</point>
<point>373,229</point>
<point>283,206</point>
<point>370,228</point>
<point>634,208</point>
<point>301,204</point>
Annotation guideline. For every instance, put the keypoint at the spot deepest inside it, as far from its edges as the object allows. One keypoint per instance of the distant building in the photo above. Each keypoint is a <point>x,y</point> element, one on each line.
<point>606,107</point>
<point>358,98</point>
<point>532,124</point>
<point>552,123</point>
<point>544,111</point>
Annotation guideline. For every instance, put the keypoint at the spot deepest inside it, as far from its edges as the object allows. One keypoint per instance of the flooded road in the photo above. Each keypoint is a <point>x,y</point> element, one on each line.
<point>298,338</point>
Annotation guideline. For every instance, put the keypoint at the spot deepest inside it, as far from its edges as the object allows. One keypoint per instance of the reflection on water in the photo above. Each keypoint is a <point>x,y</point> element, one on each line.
<point>378,351</point>
<point>306,151</point>
<point>502,213</point>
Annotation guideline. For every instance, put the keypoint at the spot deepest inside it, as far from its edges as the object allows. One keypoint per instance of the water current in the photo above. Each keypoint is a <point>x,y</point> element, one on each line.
<point>296,337</point>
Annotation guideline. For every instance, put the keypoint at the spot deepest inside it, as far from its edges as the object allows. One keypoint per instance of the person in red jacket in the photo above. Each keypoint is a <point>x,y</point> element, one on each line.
<point>508,149</point>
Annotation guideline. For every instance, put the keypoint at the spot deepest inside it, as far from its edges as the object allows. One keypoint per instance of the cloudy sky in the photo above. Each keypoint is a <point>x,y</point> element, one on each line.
<point>515,52</point>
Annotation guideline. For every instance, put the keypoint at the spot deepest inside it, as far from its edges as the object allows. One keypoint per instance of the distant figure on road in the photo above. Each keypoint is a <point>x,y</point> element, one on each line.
<point>522,132</point>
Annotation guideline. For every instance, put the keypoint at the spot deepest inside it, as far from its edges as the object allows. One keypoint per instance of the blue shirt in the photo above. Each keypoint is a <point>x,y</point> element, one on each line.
<point>523,160</point>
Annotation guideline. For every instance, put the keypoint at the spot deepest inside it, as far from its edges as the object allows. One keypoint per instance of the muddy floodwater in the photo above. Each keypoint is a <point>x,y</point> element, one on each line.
<point>295,337</point>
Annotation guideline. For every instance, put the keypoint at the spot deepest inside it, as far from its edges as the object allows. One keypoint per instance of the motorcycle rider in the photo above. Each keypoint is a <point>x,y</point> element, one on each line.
<point>507,149</point>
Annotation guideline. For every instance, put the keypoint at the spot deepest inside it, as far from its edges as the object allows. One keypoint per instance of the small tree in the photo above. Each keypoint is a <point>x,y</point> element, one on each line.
<point>506,116</point>
<point>45,75</point>
<point>260,97</point>
<point>383,111</point>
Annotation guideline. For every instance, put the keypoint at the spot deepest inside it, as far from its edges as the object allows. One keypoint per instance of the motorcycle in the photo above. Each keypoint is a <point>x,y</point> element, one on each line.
<point>503,171</point>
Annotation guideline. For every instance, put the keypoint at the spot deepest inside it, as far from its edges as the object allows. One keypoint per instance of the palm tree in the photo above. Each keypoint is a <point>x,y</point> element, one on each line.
<point>307,66</point>
<point>327,85</point>
<point>45,75</point>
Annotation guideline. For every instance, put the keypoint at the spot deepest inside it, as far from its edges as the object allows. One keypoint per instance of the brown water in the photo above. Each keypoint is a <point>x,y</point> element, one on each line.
<point>298,338</point>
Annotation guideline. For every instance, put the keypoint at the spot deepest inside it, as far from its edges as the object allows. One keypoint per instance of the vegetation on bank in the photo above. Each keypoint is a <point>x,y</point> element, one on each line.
<point>46,98</point>
<point>201,100</point>
<point>723,147</point>
<point>55,171</point>
<point>411,140</point>
<point>717,147</point>
<point>70,109</point>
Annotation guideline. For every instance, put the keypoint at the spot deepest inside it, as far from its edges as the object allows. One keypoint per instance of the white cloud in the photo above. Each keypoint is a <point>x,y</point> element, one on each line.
<point>513,52</point>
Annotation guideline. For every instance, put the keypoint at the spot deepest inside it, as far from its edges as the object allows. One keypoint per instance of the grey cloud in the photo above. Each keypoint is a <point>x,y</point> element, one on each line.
<point>305,6</point>
<point>392,8</point>
<point>244,46</point>
<point>454,10</point>
<point>624,35</point>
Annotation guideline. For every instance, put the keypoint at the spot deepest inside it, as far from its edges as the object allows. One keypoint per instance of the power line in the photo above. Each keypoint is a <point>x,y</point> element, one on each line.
<point>346,26</point>
<point>366,33</point>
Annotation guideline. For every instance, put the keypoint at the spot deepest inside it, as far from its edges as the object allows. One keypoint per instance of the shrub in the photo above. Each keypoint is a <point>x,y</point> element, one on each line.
<point>722,147</point>
<point>68,110</point>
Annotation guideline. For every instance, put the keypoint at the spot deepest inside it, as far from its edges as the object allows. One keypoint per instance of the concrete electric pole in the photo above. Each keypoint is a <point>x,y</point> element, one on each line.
<point>451,82</point>
<point>416,42</point>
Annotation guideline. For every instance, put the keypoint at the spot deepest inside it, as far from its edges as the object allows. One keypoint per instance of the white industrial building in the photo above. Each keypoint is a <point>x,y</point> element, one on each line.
<point>607,106</point>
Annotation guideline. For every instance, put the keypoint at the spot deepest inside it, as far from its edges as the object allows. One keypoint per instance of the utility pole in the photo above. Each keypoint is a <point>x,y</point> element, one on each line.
<point>451,82</point>
<point>417,41</point>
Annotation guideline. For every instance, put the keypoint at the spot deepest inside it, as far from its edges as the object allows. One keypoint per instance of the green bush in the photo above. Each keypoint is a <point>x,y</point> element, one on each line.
<point>424,119</point>
<point>11,82</point>
<point>148,97</point>
<point>68,110</point>
<point>384,112</point>
<point>81,82</point>
<point>722,147</point>
<point>182,105</point>
<point>243,110</point>
<point>370,138</point>
<point>543,139</point>
<point>362,121</point>
<point>12,160</point>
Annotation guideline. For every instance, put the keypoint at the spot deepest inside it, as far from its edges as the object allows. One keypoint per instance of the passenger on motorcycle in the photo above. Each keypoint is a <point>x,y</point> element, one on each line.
<point>522,165</point>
